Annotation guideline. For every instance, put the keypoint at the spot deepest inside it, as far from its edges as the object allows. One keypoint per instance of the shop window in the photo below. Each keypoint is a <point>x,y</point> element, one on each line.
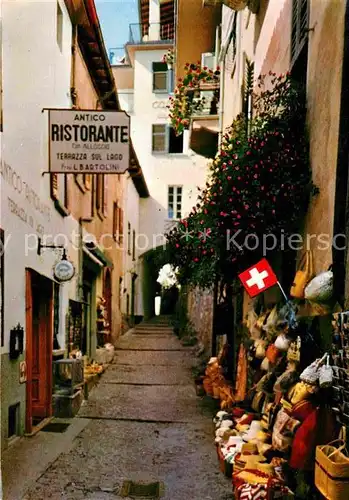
<point>174,202</point>
<point>75,326</point>
<point>13,421</point>
<point>165,140</point>
<point>2,285</point>
<point>299,33</point>
<point>133,245</point>
<point>59,27</point>
<point>160,77</point>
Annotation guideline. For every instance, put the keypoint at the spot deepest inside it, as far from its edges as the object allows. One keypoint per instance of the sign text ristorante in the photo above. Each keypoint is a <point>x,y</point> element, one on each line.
<point>90,142</point>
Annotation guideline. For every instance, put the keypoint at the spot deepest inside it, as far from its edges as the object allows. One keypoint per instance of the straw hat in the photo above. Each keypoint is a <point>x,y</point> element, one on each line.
<point>263,447</point>
<point>266,468</point>
<point>242,428</point>
<point>251,478</point>
<point>249,448</point>
<point>248,460</point>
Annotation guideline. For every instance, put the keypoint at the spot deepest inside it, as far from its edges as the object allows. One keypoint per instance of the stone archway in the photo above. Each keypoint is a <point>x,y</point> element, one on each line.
<point>152,262</point>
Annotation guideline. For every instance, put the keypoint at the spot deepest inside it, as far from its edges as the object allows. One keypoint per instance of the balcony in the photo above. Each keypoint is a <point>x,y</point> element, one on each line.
<point>151,33</point>
<point>205,121</point>
<point>117,56</point>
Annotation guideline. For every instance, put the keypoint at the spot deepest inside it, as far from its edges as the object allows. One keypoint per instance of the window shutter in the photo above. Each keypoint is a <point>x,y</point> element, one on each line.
<point>300,21</point>
<point>87,181</point>
<point>54,186</point>
<point>105,195</point>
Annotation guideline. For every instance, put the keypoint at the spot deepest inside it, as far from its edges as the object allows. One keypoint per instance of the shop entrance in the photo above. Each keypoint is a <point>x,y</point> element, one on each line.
<point>39,344</point>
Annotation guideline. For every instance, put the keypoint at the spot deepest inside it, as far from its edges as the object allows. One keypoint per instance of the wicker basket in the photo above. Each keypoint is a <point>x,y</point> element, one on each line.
<point>332,470</point>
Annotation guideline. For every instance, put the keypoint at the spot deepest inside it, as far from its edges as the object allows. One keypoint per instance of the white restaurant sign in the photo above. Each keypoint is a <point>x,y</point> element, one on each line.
<point>88,142</point>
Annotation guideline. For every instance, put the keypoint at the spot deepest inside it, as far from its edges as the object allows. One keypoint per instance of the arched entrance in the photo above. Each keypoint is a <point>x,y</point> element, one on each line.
<point>153,262</point>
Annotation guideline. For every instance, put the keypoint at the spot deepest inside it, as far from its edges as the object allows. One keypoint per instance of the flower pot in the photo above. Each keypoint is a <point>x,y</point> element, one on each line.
<point>169,66</point>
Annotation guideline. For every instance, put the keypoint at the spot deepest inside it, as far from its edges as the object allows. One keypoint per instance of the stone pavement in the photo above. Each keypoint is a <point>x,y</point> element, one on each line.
<point>143,422</point>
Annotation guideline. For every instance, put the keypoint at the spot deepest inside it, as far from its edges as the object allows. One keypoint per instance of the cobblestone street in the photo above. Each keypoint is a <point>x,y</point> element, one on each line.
<point>144,423</point>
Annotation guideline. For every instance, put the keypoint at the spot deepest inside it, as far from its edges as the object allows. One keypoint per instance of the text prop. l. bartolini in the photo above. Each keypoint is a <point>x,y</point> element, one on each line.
<point>88,142</point>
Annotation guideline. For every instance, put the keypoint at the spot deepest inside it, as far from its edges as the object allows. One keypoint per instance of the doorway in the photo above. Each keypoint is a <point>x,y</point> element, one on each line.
<point>39,345</point>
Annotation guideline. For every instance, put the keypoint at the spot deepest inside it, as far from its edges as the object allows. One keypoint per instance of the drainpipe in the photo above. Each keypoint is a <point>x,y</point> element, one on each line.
<point>221,98</point>
<point>73,93</point>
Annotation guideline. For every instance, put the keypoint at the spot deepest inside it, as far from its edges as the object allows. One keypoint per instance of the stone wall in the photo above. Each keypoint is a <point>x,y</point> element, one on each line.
<point>200,313</point>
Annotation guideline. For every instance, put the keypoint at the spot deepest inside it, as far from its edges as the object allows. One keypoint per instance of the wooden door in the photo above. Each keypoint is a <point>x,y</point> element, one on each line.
<point>39,348</point>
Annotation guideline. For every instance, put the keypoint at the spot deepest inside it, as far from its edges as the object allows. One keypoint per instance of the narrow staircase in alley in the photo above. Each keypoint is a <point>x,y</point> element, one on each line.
<point>145,425</point>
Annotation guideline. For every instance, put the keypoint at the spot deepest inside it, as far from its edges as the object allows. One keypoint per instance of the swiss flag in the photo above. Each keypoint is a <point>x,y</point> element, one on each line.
<point>258,278</point>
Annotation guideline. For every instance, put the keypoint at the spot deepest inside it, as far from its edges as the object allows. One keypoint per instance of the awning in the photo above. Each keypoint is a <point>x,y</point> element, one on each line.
<point>97,255</point>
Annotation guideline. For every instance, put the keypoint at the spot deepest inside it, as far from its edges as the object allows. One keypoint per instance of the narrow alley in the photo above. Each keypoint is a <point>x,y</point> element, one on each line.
<point>144,424</point>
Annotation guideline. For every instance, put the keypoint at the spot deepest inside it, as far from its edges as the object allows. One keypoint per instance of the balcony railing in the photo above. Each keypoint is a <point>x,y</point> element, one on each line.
<point>151,32</point>
<point>117,55</point>
<point>205,103</point>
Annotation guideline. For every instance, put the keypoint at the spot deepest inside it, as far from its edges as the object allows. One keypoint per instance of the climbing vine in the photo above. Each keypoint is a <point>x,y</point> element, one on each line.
<point>185,100</point>
<point>258,187</point>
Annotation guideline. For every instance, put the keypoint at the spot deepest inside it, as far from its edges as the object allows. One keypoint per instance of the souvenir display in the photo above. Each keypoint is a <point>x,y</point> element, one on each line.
<point>278,414</point>
<point>303,275</point>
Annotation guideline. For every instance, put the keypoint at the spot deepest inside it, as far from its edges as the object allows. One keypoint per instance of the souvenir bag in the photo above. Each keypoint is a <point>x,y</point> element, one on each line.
<point>284,431</point>
<point>311,374</point>
<point>282,342</point>
<point>260,346</point>
<point>286,381</point>
<point>294,351</point>
<point>270,325</point>
<point>258,401</point>
<point>303,275</point>
<point>273,354</point>
<point>332,470</point>
<point>317,428</point>
<point>326,374</point>
<point>265,365</point>
<point>301,391</point>
<point>320,288</point>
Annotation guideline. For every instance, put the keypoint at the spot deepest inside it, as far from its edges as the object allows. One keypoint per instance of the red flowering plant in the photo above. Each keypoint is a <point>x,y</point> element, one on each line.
<point>259,186</point>
<point>185,102</point>
<point>169,57</point>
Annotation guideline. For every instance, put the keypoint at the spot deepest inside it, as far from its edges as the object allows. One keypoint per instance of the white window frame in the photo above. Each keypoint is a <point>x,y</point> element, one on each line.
<point>167,138</point>
<point>166,72</point>
<point>166,133</point>
<point>176,190</point>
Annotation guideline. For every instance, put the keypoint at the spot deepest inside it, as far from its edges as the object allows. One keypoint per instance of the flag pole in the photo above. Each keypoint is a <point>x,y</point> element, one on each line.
<point>282,291</point>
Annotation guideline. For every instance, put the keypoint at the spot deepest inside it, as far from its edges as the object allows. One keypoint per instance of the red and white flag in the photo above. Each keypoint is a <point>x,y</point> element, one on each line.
<point>258,278</point>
